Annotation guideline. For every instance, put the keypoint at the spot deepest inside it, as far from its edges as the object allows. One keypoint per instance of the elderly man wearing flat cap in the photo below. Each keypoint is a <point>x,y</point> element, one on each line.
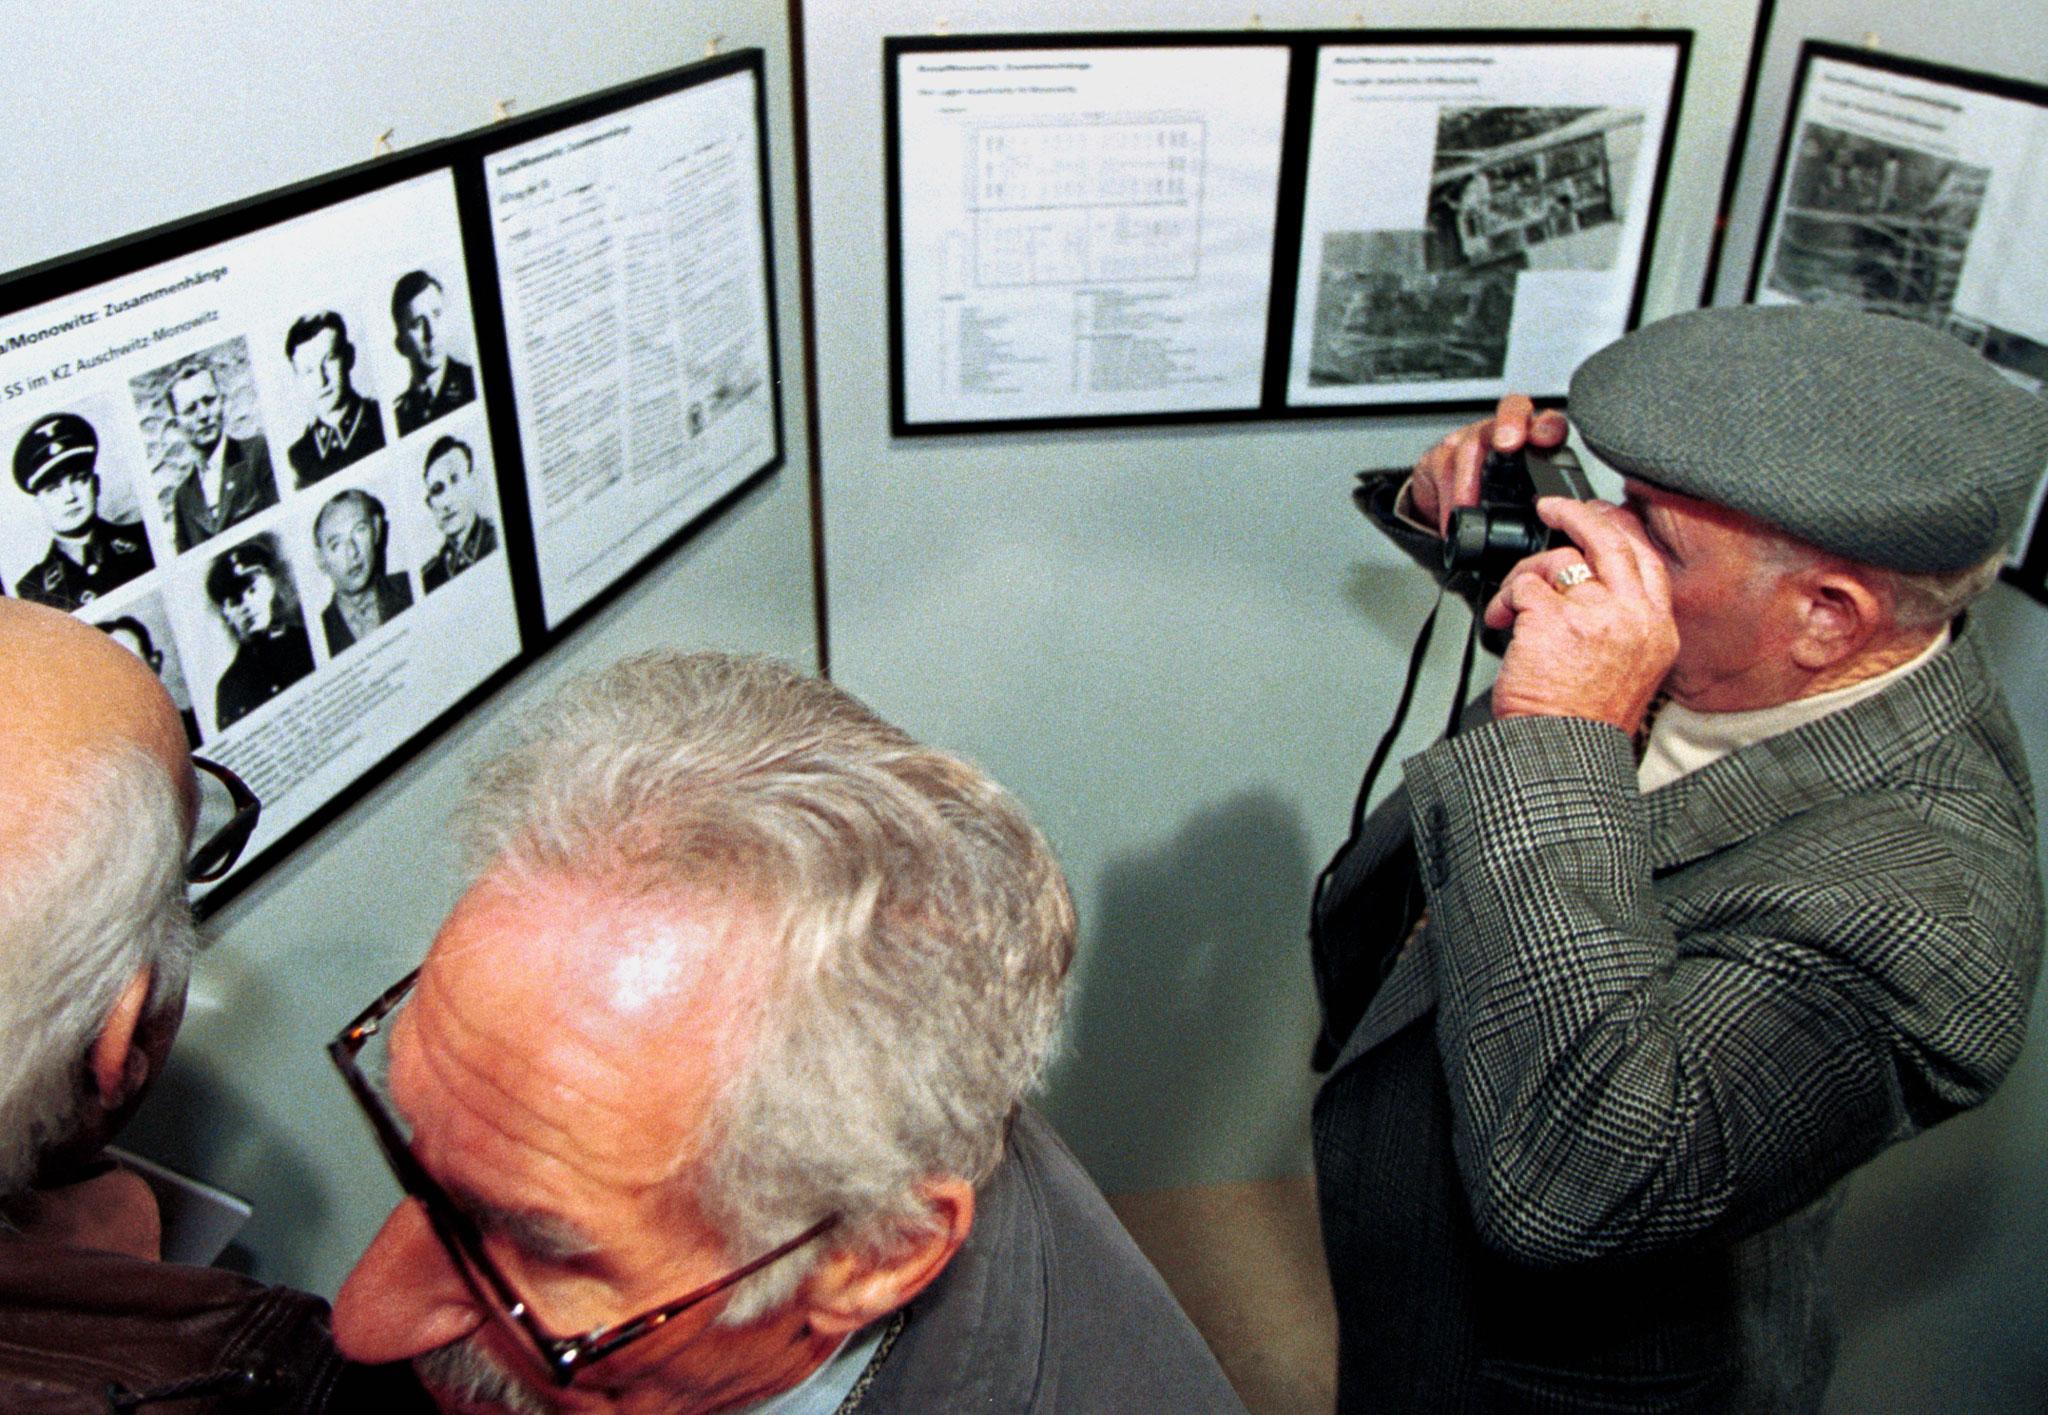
<point>56,462</point>
<point>1605,1033</point>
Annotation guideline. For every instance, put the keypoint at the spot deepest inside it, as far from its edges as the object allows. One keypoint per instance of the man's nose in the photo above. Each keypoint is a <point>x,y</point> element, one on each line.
<point>404,1297</point>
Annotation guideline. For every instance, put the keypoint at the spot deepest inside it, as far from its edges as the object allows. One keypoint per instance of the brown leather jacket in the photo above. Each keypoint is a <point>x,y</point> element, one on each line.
<point>86,1331</point>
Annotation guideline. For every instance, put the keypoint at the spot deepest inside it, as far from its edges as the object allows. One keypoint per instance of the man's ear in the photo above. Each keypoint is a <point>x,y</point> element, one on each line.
<point>852,1288</point>
<point>120,1068</point>
<point>1839,617</point>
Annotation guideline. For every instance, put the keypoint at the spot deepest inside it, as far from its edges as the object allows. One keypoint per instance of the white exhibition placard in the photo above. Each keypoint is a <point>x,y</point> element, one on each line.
<point>1920,197</point>
<point>1085,232</point>
<point>228,461</point>
<point>1475,215</point>
<point>633,269</point>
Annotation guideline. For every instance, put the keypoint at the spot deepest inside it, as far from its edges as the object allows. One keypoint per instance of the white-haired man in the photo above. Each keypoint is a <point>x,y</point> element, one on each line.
<point>97,803</point>
<point>1606,1034</point>
<point>709,1094</point>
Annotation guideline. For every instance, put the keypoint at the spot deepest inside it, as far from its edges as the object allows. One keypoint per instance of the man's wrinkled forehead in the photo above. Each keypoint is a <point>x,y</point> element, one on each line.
<point>627,977</point>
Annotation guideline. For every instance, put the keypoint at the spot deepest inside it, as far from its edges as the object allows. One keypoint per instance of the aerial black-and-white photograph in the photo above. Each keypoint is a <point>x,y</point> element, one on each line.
<point>202,430</point>
<point>1382,316</point>
<point>1508,180</point>
<point>1875,225</point>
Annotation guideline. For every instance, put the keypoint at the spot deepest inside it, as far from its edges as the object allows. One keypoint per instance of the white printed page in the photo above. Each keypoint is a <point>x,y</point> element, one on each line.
<point>633,267</point>
<point>1475,216</point>
<point>1086,232</point>
<point>266,469</point>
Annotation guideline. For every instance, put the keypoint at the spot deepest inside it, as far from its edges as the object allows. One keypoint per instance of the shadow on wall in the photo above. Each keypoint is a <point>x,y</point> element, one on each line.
<point>1194,995</point>
<point>196,1123</point>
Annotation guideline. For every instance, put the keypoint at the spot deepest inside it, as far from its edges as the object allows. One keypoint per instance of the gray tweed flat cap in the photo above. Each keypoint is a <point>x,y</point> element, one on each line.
<point>1873,437</point>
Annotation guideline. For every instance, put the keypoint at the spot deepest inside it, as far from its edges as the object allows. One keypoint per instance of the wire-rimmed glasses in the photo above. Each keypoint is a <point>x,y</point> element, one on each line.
<point>461,1237</point>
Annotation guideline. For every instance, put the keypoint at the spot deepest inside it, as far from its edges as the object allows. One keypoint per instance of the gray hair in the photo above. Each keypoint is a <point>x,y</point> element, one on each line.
<point>1930,599</point>
<point>84,906</point>
<point>1919,600</point>
<point>921,933</point>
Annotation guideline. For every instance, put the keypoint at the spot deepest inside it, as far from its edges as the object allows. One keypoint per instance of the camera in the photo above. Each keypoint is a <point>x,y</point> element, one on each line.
<point>1487,540</point>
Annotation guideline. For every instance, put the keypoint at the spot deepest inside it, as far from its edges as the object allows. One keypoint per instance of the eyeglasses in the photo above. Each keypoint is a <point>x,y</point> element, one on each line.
<point>461,1237</point>
<point>221,841</point>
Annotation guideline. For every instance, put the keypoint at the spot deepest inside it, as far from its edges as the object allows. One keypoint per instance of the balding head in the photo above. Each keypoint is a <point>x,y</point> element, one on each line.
<point>97,801</point>
<point>73,696</point>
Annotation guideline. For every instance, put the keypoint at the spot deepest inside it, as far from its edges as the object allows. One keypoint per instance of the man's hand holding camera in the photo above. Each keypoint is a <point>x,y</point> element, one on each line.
<point>1592,624</point>
<point>1447,477</point>
<point>1585,646</point>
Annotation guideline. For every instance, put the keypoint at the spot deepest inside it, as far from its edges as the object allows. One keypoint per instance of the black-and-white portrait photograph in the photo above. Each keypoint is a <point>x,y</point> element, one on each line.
<point>1382,316</point>
<point>343,423</point>
<point>459,497</point>
<point>72,530</point>
<point>424,333</point>
<point>142,628</point>
<point>352,546</point>
<point>1875,225</point>
<point>1508,181</point>
<point>202,428</point>
<point>251,589</point>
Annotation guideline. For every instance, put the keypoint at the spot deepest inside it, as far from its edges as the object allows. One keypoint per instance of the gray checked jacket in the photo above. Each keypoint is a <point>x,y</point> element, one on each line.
<point>1581,1139</point>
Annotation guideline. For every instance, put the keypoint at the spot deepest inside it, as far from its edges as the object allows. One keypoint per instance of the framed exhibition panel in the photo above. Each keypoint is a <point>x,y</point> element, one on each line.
<point>1478,213</point>
<point>631,244</point>
<point>1081,229</point>
<point>1103,230</point>
<point>279,450</point>
<point>1919,191</point>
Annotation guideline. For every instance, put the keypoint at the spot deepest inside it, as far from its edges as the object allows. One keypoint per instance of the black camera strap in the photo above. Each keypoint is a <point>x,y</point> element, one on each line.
<point>1416,656</point>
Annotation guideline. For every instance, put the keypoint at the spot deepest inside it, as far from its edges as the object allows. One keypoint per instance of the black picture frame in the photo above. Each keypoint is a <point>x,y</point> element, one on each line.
<point>495,140</point>
<point>2028,571</point>
<point>462,157</point>
<point>1303,47</point>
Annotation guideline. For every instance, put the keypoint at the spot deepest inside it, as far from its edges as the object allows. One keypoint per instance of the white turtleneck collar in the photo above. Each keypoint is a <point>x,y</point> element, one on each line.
<point>1683,741</point>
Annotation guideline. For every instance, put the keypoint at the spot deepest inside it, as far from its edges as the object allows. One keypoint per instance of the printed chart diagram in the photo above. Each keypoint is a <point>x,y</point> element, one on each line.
<point>1086,197</point>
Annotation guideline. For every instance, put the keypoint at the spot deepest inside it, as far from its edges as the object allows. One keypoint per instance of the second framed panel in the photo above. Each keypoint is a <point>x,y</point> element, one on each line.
<point>1090,230</point>
<point>1477,214</point>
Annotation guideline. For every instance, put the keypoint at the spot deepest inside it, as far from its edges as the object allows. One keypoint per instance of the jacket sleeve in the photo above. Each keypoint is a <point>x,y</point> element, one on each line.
<point>1612,1093</point>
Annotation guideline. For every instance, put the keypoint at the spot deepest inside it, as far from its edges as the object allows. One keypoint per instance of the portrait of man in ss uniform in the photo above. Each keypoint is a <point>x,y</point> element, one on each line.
<point>56,462</point>
<point>440,383</point>
<point>253,593</point>
<point>343,427</point>
<point>452,491</point>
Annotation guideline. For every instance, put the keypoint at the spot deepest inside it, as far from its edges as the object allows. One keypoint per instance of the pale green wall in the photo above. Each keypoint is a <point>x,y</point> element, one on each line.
<point>1177,646</point>
<point>139,113</point>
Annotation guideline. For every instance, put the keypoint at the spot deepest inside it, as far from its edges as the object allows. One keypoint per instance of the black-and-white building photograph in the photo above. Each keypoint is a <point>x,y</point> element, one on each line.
<point>1507,180</point>
<point>1874,224</point>
<point>1382,316</point>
